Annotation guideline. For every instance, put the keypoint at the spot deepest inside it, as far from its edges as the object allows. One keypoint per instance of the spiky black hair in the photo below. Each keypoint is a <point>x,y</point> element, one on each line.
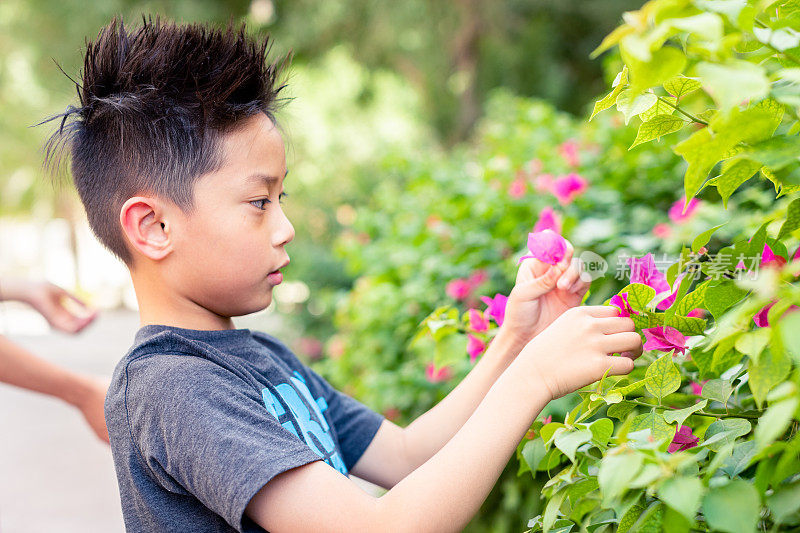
<point>153,104</point>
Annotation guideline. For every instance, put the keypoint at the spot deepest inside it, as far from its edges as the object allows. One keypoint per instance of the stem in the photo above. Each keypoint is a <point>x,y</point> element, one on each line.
<point>713,414</point>
<point>679,110</point>
<point>785,54</point>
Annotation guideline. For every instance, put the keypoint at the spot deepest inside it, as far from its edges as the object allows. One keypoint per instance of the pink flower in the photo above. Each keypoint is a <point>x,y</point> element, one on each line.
<point>566,188</point>
<point>543,182</point>
<point>679,212</point>
<point>621,302</point>
<point>683,440</point>
<point>546,246</point>
<point>310,346</point>
<point>475,347</point>
<point>664,339</point>
<point>569,151</point>
<point>459,289</point>
<point>697,312</point>
<point>662,230</point>
<point>477,321</point>
<point>697,388</point>
<point>435,375</point>
<point>546,420</point>
<point>548,219</point>
<point>496,307</point>
<point>477,277</point>
<point>517,188</point>
<point>644,270</point>
<point>770,259</point>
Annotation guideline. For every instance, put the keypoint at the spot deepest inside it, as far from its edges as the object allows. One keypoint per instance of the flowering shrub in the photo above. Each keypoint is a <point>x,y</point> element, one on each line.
<point>703,434</point>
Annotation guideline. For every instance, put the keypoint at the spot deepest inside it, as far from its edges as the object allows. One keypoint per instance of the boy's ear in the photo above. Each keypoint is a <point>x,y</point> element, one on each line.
<point>145,227</point>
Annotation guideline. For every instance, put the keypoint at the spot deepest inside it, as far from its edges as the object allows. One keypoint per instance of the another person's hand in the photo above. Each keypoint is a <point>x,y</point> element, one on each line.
<point>575,350</point>
<point>62,310</point>
<point>541,294</point>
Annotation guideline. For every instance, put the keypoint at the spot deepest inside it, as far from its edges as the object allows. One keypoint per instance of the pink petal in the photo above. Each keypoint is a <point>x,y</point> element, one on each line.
<point>544,182</point>
<point>683,440</point>
<point>475,347</point>
<point>569,151</point>
<point>517,188</point>
<point>761,318</point>
<point>478,277</point>
<point>662,230</point>
<point>621,302</point>
<point>697,388</point>
<point>769,258</point>
<point>680,212</point>
<point>496,307</point>
<point>548,219</point>
<point>435,375</point>
<point>664,338</point>
<point>566,188</point>
<point>458,289</point>
<point>547,246</point>
<point>477,322</point>
<point>644,270</point>
<point>697,312</point>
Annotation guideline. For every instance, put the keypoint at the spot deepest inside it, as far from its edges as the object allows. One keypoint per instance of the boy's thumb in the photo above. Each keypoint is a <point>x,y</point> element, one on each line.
<point>541,285</point>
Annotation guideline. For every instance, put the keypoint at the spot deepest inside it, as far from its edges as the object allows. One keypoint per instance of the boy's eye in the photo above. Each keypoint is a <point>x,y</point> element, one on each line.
<point>261,203</point>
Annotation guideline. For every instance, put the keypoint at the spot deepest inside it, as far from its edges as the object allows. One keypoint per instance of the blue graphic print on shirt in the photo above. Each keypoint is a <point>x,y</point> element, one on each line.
<point>314,431</point>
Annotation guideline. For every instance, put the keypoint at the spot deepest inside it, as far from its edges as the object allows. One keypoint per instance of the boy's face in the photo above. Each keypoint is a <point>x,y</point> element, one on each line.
<point>226,248</point>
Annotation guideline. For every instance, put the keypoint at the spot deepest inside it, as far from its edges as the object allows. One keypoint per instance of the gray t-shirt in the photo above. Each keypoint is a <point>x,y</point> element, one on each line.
<point>199,421</point>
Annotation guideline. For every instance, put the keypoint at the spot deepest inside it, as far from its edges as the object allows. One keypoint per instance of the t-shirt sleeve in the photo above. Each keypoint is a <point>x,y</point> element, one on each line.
<point>202,429</point>
<point>355,423</point>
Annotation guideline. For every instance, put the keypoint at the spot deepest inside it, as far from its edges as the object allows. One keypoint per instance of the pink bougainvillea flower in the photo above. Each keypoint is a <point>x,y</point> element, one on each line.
<point>569,151</point>
<point>620,301</point>
<point>459,289</point>
<point>697,388</point>
<point>548,219</point>
<point>644,270</point>
<point>437,375</point>
<point>664,339</point>
<point>546,246</point>
<point>760,318</point>
<point>543,182</point>
<point>477,322</point>
<point>517,188</point>
<point>683,440</point>
<point>496,307</point>
<point>771,259</point>
<point>697,312</point>
<point>475,347</point>
<point>567,188</point>
<point>391,413</point>
<point>678,214</point>
<point>662,230</point>
<point>477,277</point>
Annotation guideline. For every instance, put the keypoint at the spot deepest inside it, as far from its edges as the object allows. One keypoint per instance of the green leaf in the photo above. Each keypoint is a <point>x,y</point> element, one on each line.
<point>702,239</point>
<point>615,472</point>
<point>620,410</point>
<point>659,429</point>
<point>551,510</point>
<point>629,518</point>
<point>693,300</point>
<point>792,221</point>
<point>721,296</point>
<point>776,153</point>
<point>717,389</point>
<point>780,38</point>
<point>725,431</point>
<point>774,422</point>
<point>533,452</point>
<point>657,126</point>
<point>664,64</point>
<point>766,372</point>
<point>651,520</point>
<point>733,83</point>
<point>602,429</point>
<point>681,86</point>
<point>630,105</point>
<point>684,494</point>
<point>662,377</point>
<point>784,501</point>
<point>707,26</point>
<point>662,107</point>
<point>568,441</point>
<point>752,343</point>
<point>611,98</point>
<point>733,176</point>
<point>612,39</point>
<point>740,459</point>
<point>680,415</point>
<point>733,507</point>
<point>688,325</point>
<point>639,295</point>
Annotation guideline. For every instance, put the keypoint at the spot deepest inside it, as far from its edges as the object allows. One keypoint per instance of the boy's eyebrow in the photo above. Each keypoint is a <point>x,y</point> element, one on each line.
<point>259,177</point>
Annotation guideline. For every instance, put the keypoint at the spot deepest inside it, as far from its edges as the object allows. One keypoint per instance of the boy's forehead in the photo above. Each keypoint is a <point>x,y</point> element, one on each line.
<point>254,150</point>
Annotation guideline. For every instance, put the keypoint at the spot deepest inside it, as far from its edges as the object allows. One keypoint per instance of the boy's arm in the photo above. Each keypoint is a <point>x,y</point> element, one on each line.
<point>446,491</point>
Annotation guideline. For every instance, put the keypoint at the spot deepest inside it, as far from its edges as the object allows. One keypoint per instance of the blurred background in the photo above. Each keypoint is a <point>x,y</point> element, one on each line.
<point>418,139</point>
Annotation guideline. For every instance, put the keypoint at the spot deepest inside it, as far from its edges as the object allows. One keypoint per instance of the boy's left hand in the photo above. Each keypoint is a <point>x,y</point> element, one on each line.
<point>542,292</point>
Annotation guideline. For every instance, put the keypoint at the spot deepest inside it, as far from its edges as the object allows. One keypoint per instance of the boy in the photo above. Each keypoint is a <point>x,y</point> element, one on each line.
<point>180,166</point>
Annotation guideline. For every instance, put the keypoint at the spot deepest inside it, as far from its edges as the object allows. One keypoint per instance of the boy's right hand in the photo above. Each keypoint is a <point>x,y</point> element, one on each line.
<point>575,349</point>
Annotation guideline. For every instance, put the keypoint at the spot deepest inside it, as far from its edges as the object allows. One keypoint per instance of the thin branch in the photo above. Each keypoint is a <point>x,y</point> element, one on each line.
<point>679,110</point>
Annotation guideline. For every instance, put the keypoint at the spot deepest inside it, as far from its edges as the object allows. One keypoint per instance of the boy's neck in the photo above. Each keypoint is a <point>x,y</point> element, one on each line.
<point>160,306</point>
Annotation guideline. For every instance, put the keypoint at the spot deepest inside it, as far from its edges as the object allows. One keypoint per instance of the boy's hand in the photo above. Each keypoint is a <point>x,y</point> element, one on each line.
<point>541,294</point>
<point>575,349</point>
<point>63,310</point>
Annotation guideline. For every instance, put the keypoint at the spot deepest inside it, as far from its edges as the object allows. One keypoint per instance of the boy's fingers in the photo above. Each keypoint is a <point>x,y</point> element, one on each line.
<point>619,366</point>
<point>627,341</point>
<point>617,324</point>
<point>601,311</point>
<point>570,275</point>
